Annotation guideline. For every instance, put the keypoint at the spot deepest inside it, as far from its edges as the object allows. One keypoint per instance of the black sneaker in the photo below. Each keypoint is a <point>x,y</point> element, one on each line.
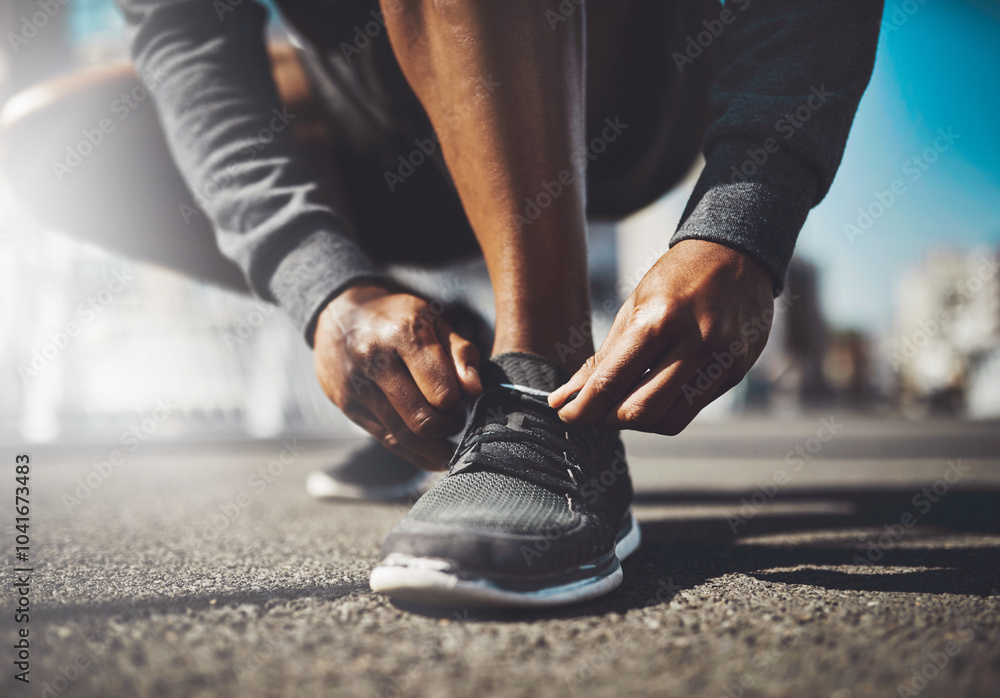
<point>370,474</point>
<point>532,511</point>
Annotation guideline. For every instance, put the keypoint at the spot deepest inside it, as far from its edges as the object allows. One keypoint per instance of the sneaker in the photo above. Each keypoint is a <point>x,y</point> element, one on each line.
<point>371,474</point>
<point>532,511</point>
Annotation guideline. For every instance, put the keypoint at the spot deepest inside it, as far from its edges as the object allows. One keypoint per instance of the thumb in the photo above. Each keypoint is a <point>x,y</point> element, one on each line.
<point>465,358</point>
<point>561,395</point>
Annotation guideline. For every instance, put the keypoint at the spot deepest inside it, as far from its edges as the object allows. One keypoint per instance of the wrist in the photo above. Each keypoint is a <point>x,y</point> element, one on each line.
<point>729,261</point>
<point>348,299</point>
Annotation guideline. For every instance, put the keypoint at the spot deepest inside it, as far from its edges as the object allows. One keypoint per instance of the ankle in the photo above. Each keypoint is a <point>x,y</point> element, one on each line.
<point>567,350</point>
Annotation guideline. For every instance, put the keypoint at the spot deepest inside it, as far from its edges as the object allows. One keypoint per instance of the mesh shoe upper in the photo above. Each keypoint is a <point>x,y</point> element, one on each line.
<point>521,482</point>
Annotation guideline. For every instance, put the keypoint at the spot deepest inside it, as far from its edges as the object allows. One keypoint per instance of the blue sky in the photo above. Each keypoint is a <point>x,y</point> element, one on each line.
<point>940,69</point>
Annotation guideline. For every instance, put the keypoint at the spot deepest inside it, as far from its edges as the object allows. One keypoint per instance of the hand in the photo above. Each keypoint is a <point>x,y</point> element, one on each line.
<point>689,332</point>
<point>397,369</point>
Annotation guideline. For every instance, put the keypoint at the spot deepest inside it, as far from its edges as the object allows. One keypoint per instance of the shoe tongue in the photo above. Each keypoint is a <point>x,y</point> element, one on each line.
<point>520,368</point>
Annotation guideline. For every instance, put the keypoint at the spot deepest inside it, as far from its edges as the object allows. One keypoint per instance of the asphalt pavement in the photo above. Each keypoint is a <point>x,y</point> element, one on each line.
<point>828,556</point>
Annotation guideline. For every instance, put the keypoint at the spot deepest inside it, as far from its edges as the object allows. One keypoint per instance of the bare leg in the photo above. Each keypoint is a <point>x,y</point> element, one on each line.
<point>505,92</point>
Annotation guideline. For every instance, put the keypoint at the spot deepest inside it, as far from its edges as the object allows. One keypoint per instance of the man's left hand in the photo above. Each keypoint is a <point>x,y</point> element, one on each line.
<point>689,332</point>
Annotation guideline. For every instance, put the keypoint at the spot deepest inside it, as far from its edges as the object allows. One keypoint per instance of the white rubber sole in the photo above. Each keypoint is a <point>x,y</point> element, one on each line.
<point>433,581</point>
<point>321,486</point>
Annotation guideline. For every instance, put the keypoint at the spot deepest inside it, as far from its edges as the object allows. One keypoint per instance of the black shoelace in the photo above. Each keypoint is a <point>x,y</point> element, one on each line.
<point>563,453</point>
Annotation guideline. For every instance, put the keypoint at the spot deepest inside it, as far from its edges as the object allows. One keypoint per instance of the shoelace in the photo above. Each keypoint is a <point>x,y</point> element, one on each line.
<point>562,452</point>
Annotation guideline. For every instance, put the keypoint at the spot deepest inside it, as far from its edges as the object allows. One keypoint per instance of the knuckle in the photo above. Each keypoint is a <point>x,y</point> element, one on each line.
<point>391,441</point>
<point>637,416</point>
<point>420,323</point>
<point>423,423</point>
<point>366,346</point>
<point>650,316</point>
<point>606,384</point>
<point>443,396</point>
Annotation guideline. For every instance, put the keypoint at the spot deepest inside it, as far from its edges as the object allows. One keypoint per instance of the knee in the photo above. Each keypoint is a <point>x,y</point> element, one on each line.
<point>31,122</point>
<point>38,122</point>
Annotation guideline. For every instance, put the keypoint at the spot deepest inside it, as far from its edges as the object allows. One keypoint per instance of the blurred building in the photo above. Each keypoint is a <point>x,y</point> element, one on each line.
<point>847,368</point>
<point>947,333</point>
<point>790,373</point>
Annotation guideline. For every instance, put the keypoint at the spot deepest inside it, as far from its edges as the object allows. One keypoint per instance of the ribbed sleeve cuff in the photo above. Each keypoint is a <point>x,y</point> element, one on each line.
<point>753,200</point>
<point>315,270</point>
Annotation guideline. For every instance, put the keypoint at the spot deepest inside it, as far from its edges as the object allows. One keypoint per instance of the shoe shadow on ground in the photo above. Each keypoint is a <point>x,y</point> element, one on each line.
<point>681,553</point>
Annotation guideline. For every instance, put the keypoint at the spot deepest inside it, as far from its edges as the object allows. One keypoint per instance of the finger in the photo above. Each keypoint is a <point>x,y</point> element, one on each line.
<point>399,388</point>
<point>614,376</point>
<point>464,357</point>
<point>559,396</point>
<point>362,416</point>
<point>644,408</point>
<point>698,393</point>
<point>427,454</point>
<point>432,369</point>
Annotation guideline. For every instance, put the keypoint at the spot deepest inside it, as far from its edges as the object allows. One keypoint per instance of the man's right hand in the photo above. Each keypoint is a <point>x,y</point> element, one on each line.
<point>397,369</point>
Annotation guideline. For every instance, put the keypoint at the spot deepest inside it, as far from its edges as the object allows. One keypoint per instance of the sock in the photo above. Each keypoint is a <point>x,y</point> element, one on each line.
<point>523,369</point>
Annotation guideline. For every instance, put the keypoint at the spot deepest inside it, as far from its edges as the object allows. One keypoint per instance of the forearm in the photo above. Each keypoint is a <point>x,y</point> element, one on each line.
<point>232,140</point>
<point>782,109</point>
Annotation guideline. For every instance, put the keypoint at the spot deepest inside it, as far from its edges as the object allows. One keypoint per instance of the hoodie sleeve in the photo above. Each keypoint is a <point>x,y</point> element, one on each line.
<point>782,107</point>
<point>208,70</point>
